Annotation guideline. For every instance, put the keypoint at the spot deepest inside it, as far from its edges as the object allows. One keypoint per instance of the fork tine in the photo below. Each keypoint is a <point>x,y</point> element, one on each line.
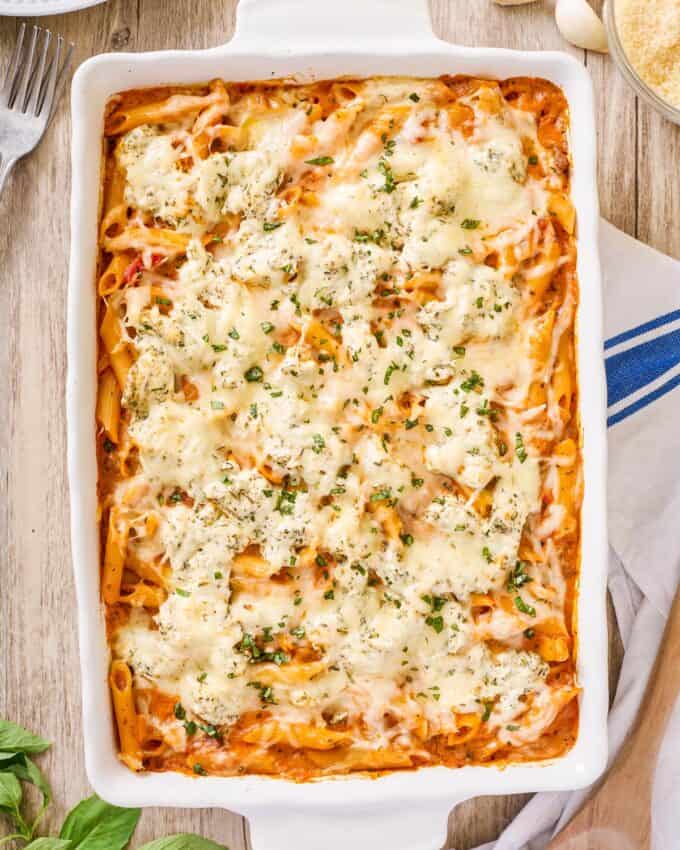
<point>39,73</point>
<point>26,75</point>
<point>63,74</point>
<point>47,100</point>
<point>8,85</point>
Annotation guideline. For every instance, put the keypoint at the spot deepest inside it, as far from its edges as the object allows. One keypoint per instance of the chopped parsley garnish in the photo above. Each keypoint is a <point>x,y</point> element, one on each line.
<point>410,423</point>
<point>437,623</point>
<point>485,410</point>
<point>488,708</point>
<point>459,350</point>
<point>470,223</point>
<point>180,713</point>
<point>320,561</point>
<point>376,236</point>
<point>435,602</point>
<point>219,347</point>
<point>376,414</point>
<point>180,592</point>
<point>533,159</point>
<point>465,251</point>
<point>384,495</point>
<point>320,160</point>
<point>522,606</point>
<point>518,576</point>
<point>390,371</point>
<point>415,203</point>
<point>253,375</point>
<point>108,445</point>
<point>278,348</point>
<point>414,97</point>
<point>473,382</point>
<point>318,443</point>
<point>165,302</point>
<point>268,226</point>
<point>486,554</point>
<point>406,539</point>
<point>386,171</point>
<point>217,405</point>
<point>520,450</point>
<point>329,594</point>
<point>249,646</point>
<point>200,770</point>
<point>267,327</point>
<point>266,692</point>
<point>234,334</point>
<point>190,727</point>
<point>285,504</point>
<point>529,633</point>
<point>210,730</point>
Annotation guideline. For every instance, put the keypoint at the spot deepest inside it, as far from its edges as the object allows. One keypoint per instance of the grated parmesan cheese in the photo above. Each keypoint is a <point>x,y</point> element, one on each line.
<point>650,34</point>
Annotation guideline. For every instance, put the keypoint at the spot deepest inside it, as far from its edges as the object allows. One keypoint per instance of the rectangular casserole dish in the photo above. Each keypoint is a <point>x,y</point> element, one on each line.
<point>295,38</point>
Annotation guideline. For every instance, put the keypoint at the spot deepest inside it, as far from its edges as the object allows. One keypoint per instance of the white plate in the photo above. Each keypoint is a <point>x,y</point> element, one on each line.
<point>33,8</point>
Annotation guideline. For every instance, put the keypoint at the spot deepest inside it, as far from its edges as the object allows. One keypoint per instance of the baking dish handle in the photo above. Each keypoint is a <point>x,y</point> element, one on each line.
<point>418,828</point>
<point>283,23</point>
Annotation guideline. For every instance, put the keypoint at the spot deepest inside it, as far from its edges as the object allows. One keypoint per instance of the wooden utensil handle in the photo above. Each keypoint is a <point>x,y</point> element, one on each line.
<point>663,689</point>
<point>618,815</point>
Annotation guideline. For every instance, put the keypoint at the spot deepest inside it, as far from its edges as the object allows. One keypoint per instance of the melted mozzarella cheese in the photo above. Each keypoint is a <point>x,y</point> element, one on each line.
<point>343,464</point>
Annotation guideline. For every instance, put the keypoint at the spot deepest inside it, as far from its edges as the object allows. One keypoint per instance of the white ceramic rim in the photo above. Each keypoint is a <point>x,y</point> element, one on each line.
<point>277,38</point>
<point>38,8</point>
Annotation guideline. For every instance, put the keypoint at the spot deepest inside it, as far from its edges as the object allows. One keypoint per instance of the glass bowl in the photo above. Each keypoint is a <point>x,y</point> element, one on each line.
<point>624,65</point>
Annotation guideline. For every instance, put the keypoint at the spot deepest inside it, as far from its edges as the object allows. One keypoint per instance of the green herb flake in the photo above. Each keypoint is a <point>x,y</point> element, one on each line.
<point>520,450</point>
<point>522,606</point>
<point>253,375</point>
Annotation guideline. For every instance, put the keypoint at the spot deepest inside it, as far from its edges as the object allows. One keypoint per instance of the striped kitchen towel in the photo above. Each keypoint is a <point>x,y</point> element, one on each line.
<point>642,358</point>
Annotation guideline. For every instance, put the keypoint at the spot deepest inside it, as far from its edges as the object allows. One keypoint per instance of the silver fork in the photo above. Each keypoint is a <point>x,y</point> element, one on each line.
<point>32,87</point>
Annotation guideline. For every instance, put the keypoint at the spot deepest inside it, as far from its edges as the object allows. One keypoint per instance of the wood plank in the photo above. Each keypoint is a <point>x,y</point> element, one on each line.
<point>616,117</point>
<point>658,187</point>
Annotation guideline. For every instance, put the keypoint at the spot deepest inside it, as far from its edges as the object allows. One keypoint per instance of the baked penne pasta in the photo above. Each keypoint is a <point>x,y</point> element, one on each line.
<point>339,447</point>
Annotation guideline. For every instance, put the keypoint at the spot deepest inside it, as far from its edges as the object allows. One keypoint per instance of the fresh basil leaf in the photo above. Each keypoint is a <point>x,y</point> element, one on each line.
<point>183,841</point>
<point>96,825</point>
<point>17,739</point>
<point>10,802</point>
<point>26,770</point>
<point>10,792</point>
<point>49,844</point>
<point>7,757</point>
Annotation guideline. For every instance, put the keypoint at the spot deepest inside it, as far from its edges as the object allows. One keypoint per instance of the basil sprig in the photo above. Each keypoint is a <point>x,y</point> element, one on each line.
<point>92,825</point>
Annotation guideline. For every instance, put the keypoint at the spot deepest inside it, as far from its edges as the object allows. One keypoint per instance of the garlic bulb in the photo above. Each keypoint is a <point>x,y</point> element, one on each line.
<point>579,24</point>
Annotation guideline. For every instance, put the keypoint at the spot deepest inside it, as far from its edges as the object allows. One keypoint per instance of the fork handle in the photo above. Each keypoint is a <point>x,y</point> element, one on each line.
<point>6,165</point>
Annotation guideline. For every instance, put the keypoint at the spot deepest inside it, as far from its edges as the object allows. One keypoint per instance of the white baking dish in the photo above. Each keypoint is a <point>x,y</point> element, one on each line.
<point>312,39</point>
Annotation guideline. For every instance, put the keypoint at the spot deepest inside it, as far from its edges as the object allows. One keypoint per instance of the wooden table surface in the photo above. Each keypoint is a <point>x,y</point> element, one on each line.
<point>639,161</point>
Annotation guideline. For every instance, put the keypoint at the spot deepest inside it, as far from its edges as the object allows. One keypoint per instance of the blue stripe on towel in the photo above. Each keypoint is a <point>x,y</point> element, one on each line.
<point>641,329</point>
<point>634,368</point>
<point>644,401</point>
